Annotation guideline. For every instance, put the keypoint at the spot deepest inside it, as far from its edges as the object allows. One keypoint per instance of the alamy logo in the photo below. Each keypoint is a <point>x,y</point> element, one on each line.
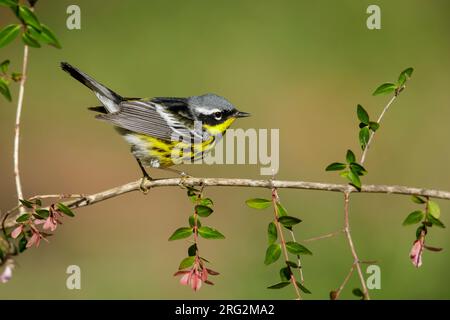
<point>74,279</point>
<point>374,20</point>
<point>74,19</point>
<point>240,146</point>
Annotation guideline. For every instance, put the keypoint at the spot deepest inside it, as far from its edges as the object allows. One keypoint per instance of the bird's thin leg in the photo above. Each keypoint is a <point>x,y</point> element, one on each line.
<point>145,176</point>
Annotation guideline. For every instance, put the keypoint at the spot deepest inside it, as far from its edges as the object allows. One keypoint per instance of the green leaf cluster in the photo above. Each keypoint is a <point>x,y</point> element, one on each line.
<point>397,87</point>
<point>33,34</point>
<point>351,170</point>
<point>274,249</point>
<point>365,126</point>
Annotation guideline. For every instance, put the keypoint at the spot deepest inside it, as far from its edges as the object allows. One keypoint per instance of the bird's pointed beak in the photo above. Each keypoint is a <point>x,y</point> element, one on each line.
<point>241,114</point>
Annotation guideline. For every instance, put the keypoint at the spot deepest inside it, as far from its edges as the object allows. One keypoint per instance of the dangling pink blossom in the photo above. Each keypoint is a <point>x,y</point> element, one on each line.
<point>196,275</point>
<point>185,278</point>
<point>35,238</point>
<point>196,282</point>
<point>416,252</point>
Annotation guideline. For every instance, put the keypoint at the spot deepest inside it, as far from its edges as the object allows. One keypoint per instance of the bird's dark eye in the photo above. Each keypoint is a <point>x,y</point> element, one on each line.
<point>218,115</point>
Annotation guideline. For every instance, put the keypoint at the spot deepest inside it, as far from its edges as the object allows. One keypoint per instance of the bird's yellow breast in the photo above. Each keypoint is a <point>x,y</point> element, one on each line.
<point>219,128</point>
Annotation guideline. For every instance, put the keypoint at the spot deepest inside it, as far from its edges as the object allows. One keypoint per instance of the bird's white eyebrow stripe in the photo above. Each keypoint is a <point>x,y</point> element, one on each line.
<point>203,110</point>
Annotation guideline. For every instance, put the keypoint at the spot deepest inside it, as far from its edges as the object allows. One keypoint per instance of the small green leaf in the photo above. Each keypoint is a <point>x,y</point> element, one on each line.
<point>303,288</point>
<point>414,217</point>
<point>206,202</point>
<point>404,76</point>
<point>8,34</point>
<point>26,203</point>
<point>433,209</point>
<point>364,135</point>
<point>29,40</point>
<point>374,126</point>
<point>272,233</point>
<point>4,66</point>
<point>28,17</point>
<point>49,37</point>
<point>363,116</point>
<point>258,203</point>
<point>358,292</point>
<point>417,199</point>
<point>186,262</point>
<point>285,274</point>
<point>281,210</point>
<point>354,180</point>
<point>8,3</point>
<point>297,248</point>
<point>210,233</point>
<point>292,264</point>
<point>408,71</point>
<point>273,252</point>
<point>192,221</point>
<point>203,211</point>
<point>4,89</point>
<point>43,213</point>
<point>65,209</point>
<point>435,221</point>
<point>336,166</point>
<point>385,88</point>
<point>192,250</point>
<point>181,233</point>
<point>22,244</point>
<point>357,169</point>
<point>289,221</point>
<point>24,217</point>
<point>350,157</point>
<point>279,285</point>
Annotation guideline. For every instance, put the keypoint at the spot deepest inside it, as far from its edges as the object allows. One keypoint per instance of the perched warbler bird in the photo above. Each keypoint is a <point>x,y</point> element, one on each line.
<point>154,127</point>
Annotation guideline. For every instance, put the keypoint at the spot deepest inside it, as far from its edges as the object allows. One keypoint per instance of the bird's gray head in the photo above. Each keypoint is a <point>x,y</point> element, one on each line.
<point>213,109</point>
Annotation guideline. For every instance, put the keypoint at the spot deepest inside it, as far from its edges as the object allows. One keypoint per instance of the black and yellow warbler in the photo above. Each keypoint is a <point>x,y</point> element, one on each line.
<point>150,125</point>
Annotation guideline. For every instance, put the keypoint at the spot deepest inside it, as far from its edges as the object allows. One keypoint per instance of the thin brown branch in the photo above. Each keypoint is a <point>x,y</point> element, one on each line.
<point>283,241</point>
<point>366,149</point>
<point>23,79</point>
<point>338,292</point>
<point>299,260</point>
<point>224,182</point>
<point>325,236</point>
<point>356,261</point>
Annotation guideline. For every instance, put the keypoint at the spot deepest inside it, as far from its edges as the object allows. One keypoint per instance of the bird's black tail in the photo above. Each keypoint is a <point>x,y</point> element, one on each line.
<point>109,98</point>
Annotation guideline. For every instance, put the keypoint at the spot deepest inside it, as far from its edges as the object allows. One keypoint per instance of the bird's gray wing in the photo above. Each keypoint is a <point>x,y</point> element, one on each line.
<point>147,118</point>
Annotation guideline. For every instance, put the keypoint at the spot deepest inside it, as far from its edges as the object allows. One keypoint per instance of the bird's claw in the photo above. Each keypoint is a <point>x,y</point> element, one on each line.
<point>183,178</point>
<point>142,186</point>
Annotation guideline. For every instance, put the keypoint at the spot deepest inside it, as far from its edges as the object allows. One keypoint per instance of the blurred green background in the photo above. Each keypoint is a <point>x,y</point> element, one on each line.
<point>300,66</point>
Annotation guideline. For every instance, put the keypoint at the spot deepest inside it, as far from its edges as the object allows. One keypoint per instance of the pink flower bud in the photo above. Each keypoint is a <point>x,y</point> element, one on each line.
<point>34,240</point>
<point>185,279</point>
<point>196,282</point>
<point>17,231</point>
